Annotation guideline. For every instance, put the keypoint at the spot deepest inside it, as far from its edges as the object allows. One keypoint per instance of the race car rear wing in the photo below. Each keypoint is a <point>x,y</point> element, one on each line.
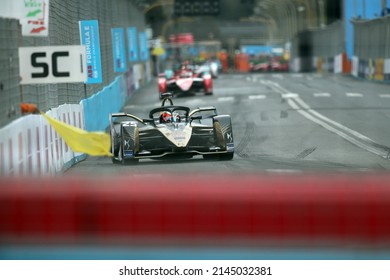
<point>204,109</point>
<point>143,121</point>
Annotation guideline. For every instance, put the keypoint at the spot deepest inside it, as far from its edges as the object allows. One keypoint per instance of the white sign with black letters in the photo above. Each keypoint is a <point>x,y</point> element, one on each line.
<point>52,64</point>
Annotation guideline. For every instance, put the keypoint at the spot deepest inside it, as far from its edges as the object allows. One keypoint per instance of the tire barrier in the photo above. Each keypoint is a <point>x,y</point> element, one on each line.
<point>339,211</point>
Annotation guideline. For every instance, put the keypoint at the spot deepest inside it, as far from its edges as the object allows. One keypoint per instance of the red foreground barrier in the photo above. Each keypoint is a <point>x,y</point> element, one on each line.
<point>313,209</point>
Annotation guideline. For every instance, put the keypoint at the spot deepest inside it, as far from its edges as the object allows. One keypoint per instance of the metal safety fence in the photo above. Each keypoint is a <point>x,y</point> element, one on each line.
<point>64,17</point>
<point>324,50</point>
<point>372,49</point>
<point>316,49</point>
<point>10,36</point>
<point>372,38</point>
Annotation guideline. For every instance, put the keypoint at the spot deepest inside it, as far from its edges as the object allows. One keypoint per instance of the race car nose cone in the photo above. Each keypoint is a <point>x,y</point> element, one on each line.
<point>184,84</point>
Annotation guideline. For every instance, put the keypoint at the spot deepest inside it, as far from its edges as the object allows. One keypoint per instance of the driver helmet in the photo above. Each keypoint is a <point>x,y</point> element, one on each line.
<point>166,117</point>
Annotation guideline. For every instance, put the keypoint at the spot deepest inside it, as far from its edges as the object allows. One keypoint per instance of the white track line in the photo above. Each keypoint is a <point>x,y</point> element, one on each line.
<point>321,94</point>
<point>225,99</point>
<point>289,95</point>
<point>252,97</point>
<point>354,94</point>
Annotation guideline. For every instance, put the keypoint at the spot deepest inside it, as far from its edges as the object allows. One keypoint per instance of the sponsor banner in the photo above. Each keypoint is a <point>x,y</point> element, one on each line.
<point>35,17</point>
<point>89,37</point>
<point>119,50</point>
<point>143,43</point>
<point>387,69</point>
<point>10,9</point>
<point>379,69</point>
<point>132,43</point>
<point>355,66</point>
<point>52,64</point>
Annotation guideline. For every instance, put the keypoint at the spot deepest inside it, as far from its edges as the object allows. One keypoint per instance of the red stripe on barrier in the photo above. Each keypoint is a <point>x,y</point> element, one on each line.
<point>11,159</point>
<point>38,150</point>
<point>52,143</point>
<point>47,149</point>
<point>29,149</point>
<point>67,122</point>
<point>342,209</point>
<point>56,143</point>
<point>20,151</point>
<point>80,123</point>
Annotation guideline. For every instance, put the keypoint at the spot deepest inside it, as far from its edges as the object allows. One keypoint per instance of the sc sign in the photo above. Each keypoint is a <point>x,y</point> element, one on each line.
<point>54,64</point>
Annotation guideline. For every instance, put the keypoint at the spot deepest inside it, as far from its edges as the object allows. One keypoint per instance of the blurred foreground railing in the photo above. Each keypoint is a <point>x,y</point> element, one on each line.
<point>344,213</point>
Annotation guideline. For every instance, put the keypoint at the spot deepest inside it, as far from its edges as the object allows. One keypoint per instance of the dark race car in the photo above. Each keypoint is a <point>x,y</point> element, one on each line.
<point>171,130</point>
<point>185,81</point>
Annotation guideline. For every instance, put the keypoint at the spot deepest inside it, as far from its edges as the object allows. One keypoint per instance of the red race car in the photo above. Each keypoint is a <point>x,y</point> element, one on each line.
<point>279,65</point>
<point>185,81</point>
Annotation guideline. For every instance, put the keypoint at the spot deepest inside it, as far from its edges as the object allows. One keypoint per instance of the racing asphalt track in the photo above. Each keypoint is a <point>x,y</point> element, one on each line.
<point>282,123</point>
